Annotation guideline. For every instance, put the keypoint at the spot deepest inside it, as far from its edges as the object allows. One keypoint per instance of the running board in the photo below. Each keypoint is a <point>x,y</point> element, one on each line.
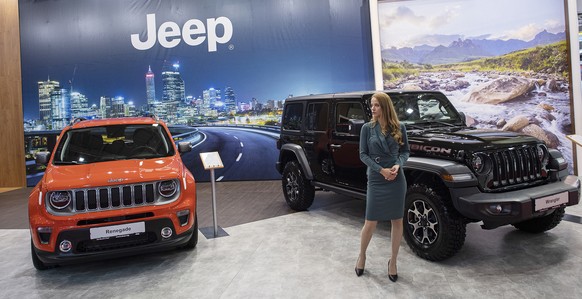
<point>340,190</point>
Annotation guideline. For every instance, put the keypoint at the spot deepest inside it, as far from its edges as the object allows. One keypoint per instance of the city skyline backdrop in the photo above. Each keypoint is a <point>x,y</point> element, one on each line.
<point>275,50</point>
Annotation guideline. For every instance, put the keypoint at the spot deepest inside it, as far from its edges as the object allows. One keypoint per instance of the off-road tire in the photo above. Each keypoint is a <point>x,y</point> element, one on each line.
<point>194,237</point>
<point>542,224</point>
<point>36,262</point>
<point>298,191</point>
<point>433,229</point>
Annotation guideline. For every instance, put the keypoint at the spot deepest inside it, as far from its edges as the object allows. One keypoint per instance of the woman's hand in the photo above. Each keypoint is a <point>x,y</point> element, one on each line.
<point>390,173</point>
<point>394,169</point>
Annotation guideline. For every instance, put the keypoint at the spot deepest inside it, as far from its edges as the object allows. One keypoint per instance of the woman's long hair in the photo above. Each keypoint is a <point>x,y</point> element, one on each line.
<point>388,119</point>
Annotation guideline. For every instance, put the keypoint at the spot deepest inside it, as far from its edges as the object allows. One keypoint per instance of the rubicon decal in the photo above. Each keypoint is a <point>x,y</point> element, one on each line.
<point>194,32</point>
<point>430,149</point>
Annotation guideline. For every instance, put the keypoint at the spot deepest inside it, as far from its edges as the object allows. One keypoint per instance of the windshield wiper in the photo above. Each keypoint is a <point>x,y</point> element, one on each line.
<point>438,122</point>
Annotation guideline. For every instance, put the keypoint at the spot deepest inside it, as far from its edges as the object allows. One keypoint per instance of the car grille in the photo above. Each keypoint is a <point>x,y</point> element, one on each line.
<point>113,197</point>
<point>515,166</point>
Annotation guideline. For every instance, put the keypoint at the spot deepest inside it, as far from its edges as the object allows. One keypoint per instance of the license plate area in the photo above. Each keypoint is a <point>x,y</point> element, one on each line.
<point>121,230</point>
<point>552,201</point>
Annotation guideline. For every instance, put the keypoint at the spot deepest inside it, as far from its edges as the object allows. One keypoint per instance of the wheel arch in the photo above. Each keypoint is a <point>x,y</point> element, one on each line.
<point>441,174</point>
<point>290,152</point>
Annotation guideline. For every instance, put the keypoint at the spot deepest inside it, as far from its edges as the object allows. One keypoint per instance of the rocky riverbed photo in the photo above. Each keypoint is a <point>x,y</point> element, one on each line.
<point>531,103</point>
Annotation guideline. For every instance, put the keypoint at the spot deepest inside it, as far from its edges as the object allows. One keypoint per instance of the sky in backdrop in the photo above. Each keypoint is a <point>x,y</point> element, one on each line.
<point>439,22</point>
<point>278,48</point>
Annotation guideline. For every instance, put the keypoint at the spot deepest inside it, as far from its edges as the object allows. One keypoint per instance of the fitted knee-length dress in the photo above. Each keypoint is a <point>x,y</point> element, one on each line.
<point>384,199</point>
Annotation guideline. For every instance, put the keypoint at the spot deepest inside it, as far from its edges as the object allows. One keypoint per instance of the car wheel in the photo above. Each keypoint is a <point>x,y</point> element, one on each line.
<point>433,229</point>
<point>38,264</point>
<point>194,237</point>
<point>542,224</point>
<point>298,191</point>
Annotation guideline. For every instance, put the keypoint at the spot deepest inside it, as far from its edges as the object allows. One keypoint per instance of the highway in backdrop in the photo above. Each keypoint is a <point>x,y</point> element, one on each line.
<point>247,154</point>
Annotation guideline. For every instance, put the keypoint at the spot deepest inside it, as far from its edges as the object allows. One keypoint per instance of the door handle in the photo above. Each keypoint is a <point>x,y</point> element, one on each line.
<point>334,146</point>
<point>309,142</point>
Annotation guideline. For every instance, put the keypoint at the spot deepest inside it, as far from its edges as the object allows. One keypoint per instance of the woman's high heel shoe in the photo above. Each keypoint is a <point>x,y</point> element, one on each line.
<point>359,272</point>
<point>394,277</point>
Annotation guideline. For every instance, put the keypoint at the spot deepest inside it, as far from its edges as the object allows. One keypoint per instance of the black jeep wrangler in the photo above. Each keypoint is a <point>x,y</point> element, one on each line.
<point>456,174</point>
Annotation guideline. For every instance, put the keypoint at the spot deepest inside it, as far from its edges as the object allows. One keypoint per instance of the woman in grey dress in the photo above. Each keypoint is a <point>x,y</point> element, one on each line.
<point>384,149</point>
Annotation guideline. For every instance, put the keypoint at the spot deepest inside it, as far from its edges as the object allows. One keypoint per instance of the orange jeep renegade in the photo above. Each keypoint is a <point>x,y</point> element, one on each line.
<point>112,187</point>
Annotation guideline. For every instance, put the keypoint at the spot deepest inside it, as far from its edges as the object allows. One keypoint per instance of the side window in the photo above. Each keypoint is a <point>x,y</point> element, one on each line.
<point>292,119</point>
<point>316,117</point>
<point>346,115</point>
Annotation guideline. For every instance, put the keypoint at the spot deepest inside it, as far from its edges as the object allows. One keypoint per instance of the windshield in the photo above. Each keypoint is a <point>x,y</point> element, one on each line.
<point>116,142</point>
<point>419,108</point>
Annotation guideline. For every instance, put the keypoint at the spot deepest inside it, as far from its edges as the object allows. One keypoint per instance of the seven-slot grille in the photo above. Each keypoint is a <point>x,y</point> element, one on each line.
<point>515,166</point>
<point>113,197</point>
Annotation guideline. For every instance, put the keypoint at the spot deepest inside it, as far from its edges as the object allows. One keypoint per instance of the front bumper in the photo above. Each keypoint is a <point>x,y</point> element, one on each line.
<point>516,206</point>
<point>86,249</point>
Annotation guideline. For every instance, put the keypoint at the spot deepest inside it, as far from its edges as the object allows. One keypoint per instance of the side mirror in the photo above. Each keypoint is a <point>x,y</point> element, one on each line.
<point>42,158</point>
<point>184,147</point>
<point>356,126</point>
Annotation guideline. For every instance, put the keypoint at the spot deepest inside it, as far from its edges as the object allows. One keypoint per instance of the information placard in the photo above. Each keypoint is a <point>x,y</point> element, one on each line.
<point>211,160</point>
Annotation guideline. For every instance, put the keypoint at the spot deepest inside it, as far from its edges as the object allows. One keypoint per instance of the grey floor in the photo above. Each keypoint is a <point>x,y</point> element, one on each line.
<point>312,255</point>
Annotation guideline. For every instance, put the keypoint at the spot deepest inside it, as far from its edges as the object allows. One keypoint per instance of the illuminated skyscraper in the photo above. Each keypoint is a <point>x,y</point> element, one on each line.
<point>229,100</point>
<point>61,108</point>
<point>150,87</point>
<point>118,107</point>
<point>105,107</point>
<point>79,105</point>
<point>44,100</point>
<point>173,91</point>
<point>209,98</point>
<point>130,109</point>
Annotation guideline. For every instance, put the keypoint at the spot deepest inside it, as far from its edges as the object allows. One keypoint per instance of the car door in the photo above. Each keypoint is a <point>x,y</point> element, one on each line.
<point>316,139</point>
<point>348,118</point>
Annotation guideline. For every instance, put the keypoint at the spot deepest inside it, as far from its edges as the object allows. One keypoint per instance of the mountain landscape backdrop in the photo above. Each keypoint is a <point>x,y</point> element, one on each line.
<point>467,49</point>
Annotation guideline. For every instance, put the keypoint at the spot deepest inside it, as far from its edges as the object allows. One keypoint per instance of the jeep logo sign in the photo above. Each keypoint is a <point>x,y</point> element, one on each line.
<point>193,33</point>
<point>429,149</point>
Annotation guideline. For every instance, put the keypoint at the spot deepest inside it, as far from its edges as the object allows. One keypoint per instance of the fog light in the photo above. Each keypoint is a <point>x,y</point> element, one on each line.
<point>65,246</point>
<point>44,234</point>
<point>499,209</point>
<point>183,217</point>
<point>166,232</point>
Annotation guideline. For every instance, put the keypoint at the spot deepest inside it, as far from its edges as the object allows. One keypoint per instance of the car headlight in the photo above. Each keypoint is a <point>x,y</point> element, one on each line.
<point>60,200</point>
<point>168,188</point>
<point>481,163</point>
<point>543,154</point>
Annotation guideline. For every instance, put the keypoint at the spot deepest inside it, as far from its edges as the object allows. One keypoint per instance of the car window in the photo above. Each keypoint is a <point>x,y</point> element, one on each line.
<point>109,143</point>
<point>317,117</point>
<point>292,118</point>
<point>346,114</point>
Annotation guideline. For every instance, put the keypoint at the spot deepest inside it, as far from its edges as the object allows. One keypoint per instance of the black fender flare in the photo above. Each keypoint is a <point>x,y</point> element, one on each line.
<point>297,150</point>
<point>453,174</point>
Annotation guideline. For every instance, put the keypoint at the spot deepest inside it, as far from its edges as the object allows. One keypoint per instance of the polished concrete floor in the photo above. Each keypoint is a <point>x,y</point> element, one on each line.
<point>312,255</point>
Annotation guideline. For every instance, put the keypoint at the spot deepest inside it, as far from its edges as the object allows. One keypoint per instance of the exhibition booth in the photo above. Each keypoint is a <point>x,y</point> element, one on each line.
<point>210,148</point>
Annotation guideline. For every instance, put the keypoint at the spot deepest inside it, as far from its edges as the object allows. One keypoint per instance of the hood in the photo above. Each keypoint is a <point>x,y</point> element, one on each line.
<point>449,140</point>
<point>62,177</point>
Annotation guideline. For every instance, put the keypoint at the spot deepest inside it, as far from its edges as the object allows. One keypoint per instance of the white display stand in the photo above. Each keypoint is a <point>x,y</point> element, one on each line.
<point>211,161</point>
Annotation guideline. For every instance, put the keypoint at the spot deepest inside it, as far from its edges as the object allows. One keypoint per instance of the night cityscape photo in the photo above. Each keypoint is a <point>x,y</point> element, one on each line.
<point>190,63</point>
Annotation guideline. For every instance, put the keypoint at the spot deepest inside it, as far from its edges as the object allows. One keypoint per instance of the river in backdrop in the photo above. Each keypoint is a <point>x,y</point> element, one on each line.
<point>548,106</point>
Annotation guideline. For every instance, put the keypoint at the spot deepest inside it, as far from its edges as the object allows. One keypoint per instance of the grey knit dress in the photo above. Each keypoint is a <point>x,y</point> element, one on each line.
<point>384,199</point>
